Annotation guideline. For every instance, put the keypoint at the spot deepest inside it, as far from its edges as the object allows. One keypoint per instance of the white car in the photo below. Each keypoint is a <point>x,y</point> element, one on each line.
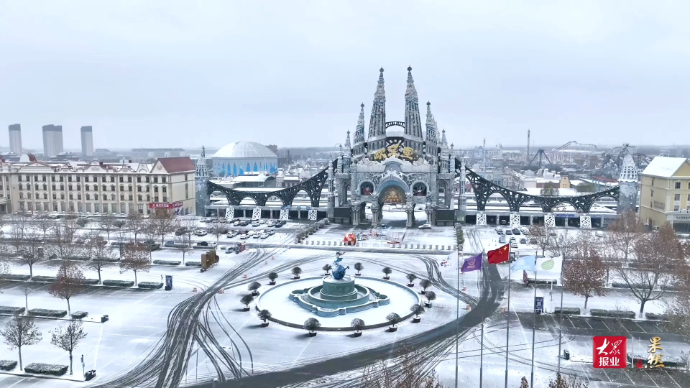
<point>244,236</point>
<point>264,236</point>
<point>200,232</point>
<point>425,226</point>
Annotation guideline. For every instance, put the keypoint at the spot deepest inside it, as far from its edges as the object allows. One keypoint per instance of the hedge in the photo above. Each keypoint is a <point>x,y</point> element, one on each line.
<point>656,317</point>
<point>567,310</point>
<point>78,258</point>
<point>7,365</point>
<point>118,283</point>
<point>89,281</point>
<point>111,260</point>
<point>15,277</point>
<point>167,262</point>
<point>11,310</point>
<point>44,279</point>
<point>612,313</point>
<point>79,314</point>
<point>46,369</point>
<point>193,264</point>
<point>48,313</point>
<point>150,285</point>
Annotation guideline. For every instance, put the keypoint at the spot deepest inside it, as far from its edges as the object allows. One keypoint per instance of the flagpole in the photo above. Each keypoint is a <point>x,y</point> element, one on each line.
<point>534,321</point>
<point>457,320</point>
<point>560,319</point>
<point>481,346</point>
<point>508,318</point>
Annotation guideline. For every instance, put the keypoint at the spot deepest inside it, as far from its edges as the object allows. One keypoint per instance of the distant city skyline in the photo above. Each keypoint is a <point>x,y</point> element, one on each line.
<point>220,72</point>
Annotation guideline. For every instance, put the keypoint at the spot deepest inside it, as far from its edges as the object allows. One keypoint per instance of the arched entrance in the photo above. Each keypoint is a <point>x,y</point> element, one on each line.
<point>392,199</point>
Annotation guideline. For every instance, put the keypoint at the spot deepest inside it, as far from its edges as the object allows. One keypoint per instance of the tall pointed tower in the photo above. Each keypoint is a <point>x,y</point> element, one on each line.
<point>377,123</point>
<point>628,184</point>
<point>359,133</point>
<point>431,144</point>
<point>202,199</point>
<point>413,124</point>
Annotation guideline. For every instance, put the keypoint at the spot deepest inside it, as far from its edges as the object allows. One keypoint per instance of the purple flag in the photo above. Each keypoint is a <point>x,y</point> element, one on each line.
<point>472,264</point>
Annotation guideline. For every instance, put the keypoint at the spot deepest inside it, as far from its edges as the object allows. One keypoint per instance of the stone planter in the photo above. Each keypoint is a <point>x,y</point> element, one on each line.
<point>422,292</point>
<point>312,334</point>
<point>427,304</point>
<point>387,278</point>
<point>296,277</point>
<point>271,283</point>
<point>357,334</point>
<point>411,285</point>
<point>416,320</point>
<point>245,309</point>
<point>255,293</point>
<point>392,329</point>
<point>264,324</point>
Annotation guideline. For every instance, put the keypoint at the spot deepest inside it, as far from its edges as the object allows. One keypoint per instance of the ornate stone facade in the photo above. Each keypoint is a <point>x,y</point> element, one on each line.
<point>394,167</point>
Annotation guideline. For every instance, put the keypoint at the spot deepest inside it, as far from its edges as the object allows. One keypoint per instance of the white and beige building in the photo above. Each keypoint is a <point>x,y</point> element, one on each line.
<point>98,188</point>
<point>665,193</point>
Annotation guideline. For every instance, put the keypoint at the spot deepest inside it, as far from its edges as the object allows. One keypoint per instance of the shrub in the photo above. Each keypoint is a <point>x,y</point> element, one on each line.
<point>253,287</point>
<point>7,365</point>
<point>567,310</point>
<point>14,277</point>
<point>357,324</point>
<point>411,277</point>
<point>387,271</point>
<point>264,315</point>
<point>393,319</point>
<point>272,276</point>
<point>118,283</point>
<point>656,317</point>
<point>79,314</point>
<point>296,271</point>
<point>46,369</point>
<point>430,296</point>
<point>44,279</point>
<point>48,313</point>
<point>417,310</point>
<point>82,222</point>
<point>246,300</point>
<point>312,324</point>
<point>425,283</point>
<point>193,264</point>
<point>150,285</point>
<point>168,262</point>
<point>11,310</point>
<point>359,267</point>
<point>612,313</point>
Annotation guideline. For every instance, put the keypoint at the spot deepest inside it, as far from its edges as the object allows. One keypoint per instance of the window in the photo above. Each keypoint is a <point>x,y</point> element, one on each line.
<point>112,197</point>
<point>88,197</point>
<point>86,187</point>
<point>62,179</point>
<point>78,187</point>
<point>147,189</point>
<point>165,189</point>
<point>138,179</point>
<point>80,208</point>
<point>45,186</point>
<point>71,196</point>
<point>28,195</point>
<point>147,180</point>
<point>70,187</point>
<point>155,199</point>
<point>689,198</point>
<point>122,208</point>
<point>652,181</point>
<point>677,185</point>
<point>62,196</point>
<point>155,179</point>
<point>52,179</point>
<point>97,207</point>
<point>139,189</point>
<point>652,193</point>
<point>21,195</point>
<point>148,198</point>
<point>21,187</point>
<point>62,187</point>
<point>54,196</point>
<point>688,185</point>
<point>105,188</point>
<point>164,179</point>
<point>129,188</point>
<point>53,187</point>
<point>112,179</point>
<point>185,177</point>
<point>88,207</point>
<point>105,208</point>
<point>186,190</point>
<point>122,188</point>
<point>112,187</point>
<point>155,189</point>
<point>676,197</point>
<point>129,179</point>
<point>141,209</point>
<point>122,179</point>
<point>95,197</point>
<point>69,179</point>
<point>165,199</point>
<point>36,186</point>
<point>139,197</point>
<point>45,195</point>
<point>78,179</point>
<point>79,197</point>
<point>122,197</point>
<point>676,208</point>
<point>130,197</point>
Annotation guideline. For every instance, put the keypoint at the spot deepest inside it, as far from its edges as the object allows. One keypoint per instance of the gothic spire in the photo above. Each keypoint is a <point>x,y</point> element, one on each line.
<point>359,130</point>
<point>377,123</point>
<point>430,125</point>
<point>413,124</point>
<point>201,168</point>
<point>628,171</point>
<point>444,142</point>
<point>347,141</point>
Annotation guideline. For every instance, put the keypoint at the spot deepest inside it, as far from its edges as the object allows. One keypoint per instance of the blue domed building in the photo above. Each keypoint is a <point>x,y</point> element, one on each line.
<point>242,157</point>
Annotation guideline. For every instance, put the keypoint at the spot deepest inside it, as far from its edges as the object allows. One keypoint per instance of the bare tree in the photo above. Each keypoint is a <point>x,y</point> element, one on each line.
<point>31,252</point>
<point>136,259</point>
<point>188,224</point>
<point>409,372</point>
<point>657,256</point>
<point>585,274</point>
<point>563,244</point>
<point>21,331</point>
<point>101,255</point>
<point>43,223</point>
<point>624,232</point>
<point>107,223</point>
<point>18,233</point>
<point>63,239</point>
<point>567,382</point>
<point>135,223</point>
<point>217,230</point>
<point>69,282</point>
<point>183,245</point>
<point>68,338</point>
<point>162,222</point>
<point>678,309</point>
<point>541,234</point>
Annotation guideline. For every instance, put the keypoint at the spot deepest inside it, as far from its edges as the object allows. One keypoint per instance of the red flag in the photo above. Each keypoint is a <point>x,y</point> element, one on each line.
<point>500,255</point>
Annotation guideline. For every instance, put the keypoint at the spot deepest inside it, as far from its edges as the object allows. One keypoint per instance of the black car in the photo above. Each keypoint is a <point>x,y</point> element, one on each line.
<point>180,231</point>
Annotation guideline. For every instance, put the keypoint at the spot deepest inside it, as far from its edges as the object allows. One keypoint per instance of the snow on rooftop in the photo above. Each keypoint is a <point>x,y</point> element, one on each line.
<point>662,166</point>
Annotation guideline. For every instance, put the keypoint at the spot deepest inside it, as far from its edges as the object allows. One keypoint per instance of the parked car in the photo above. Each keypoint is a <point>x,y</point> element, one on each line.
<point>264,236</point>
<point>200,232</point>
<point>499,230</point>
<point>533,241</point>
<point>553,233</point>
<point>599,233</point>
<point>271,232</point>
<point>502,239</point>
<point>509,232</point>
<point>244,236</point>
<point>256,235</point>
<point>425,226</point>
<point>262,222</point>
<point>180,231</point>
<point>524,231</point>
<point>513,244</point>
<point>205,245</point>
<point>523,241</point>
<point>244,223</point>
<point>516,231</point>
<point>255,224</point>
<point>151,245</point>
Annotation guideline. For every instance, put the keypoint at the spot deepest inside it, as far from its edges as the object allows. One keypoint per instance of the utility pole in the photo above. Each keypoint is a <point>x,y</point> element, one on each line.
<point>457,314</point>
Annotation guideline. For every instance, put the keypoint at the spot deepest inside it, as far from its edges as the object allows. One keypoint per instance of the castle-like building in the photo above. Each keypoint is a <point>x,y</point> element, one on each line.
<point>408,167</point>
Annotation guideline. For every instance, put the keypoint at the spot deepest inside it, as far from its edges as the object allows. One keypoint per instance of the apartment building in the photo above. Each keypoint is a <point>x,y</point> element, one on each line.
<point>665,193</point>
<point>98,188</point>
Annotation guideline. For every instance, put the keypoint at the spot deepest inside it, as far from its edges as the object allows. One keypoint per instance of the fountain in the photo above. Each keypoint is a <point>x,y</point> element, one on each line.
<point>338,294</point>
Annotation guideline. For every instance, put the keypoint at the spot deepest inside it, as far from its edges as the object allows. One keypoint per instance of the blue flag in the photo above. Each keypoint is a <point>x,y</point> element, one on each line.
<point>525,263</point>
<point>472,264</point>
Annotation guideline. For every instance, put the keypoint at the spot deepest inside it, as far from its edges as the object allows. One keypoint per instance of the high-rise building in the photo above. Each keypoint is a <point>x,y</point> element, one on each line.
<point>87,141</point>
<point>16,138</point>
<point>52,140</point>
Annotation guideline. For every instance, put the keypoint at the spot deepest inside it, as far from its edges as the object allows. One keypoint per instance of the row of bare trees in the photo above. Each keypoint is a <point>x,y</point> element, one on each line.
<point>649,264</point>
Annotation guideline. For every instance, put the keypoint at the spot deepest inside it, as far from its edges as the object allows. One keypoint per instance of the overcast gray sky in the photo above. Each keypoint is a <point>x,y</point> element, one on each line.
<point>182,73</point>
